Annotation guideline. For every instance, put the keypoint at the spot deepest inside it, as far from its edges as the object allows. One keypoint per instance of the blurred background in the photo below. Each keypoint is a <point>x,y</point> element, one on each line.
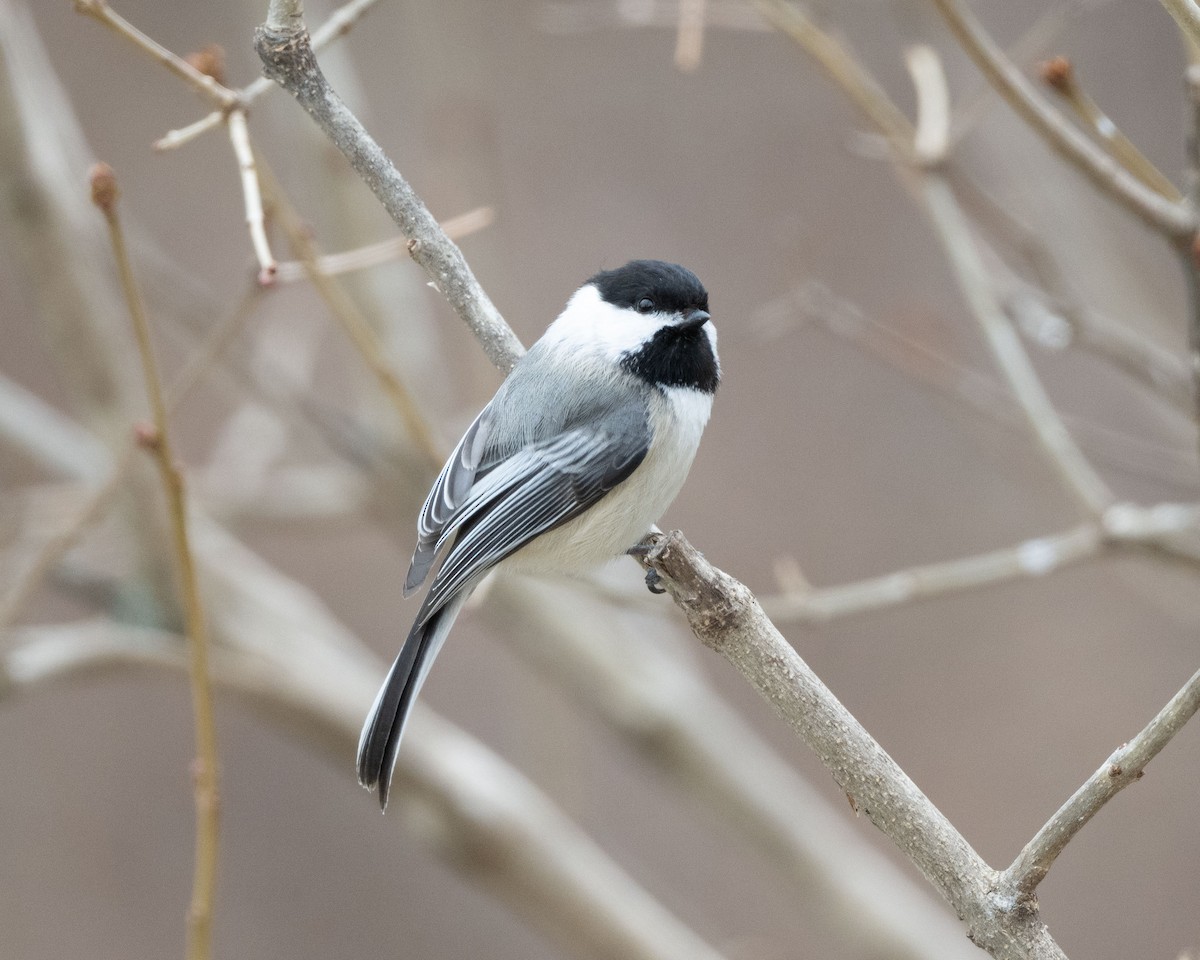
<point>860,428</point>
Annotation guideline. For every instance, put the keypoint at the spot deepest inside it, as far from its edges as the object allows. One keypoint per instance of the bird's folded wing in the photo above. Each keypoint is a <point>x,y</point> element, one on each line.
<point>533,491</point>
<point>446,496</point>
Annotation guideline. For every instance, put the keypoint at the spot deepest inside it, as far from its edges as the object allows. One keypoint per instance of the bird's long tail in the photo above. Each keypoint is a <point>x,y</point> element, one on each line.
<point>380,739</point>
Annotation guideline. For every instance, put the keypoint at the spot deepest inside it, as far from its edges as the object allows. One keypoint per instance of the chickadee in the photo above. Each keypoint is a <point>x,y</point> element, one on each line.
<point>572,462</point>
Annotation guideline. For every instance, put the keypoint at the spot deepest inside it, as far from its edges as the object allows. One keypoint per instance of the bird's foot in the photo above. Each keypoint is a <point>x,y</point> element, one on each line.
<point>640,551</point>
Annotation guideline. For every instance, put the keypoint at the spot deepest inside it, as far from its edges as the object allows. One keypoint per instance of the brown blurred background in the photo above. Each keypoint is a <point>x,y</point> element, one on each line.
<point>571,121</point>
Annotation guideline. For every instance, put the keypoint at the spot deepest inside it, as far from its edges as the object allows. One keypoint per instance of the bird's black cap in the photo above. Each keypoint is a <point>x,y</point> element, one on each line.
<point>672,288</point>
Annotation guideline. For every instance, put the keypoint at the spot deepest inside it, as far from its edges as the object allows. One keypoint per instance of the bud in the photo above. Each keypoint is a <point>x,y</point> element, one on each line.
<point>146,435</point>
<point>104,187</point>
<point>209,61</point>
<point>1058,73</point>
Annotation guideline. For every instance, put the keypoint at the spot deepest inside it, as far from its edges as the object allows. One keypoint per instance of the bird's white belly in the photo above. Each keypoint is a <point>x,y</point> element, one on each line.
<point>619,520</point>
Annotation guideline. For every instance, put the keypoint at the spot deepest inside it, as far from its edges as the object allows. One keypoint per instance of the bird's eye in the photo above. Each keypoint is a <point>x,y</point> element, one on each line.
<point>645,305</point>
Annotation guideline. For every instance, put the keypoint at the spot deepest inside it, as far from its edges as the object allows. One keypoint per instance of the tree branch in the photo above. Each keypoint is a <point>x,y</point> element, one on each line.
<point>1035,557</point>
<point>1122,768</point>
<point>337,24</point>
<point>1010,356</point>
<point>308,676</point>
<point>1176,221</point>
<point>725,617</point>
<point>659,700</point>
<point>288,59</point>
<point>157,440</point>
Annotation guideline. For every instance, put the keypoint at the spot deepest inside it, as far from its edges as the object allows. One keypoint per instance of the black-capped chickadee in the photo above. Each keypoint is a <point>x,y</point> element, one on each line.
<point>572,462</point>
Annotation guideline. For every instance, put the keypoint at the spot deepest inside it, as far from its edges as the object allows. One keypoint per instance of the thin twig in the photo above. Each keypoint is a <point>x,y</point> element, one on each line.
<point>1161,371</point>
<point>1173,220</point>
<point>1187,17</point>
<point>1059,75</point>
<point>26,584</point>
<point>239,137</point>
<point>1122,525</point>
<point>976,286</point>
<point>1189,257</point>
<point>373,254</point>
<point>99,501</point>
<point>199,919</point>
<point>288,58</point>
<point>1122,768</point>
<point>1010,356</point>
<point>220,94</point>
<point>843,69</point>
<point>970,109</point>
<point>338,24</point>
<point>932,137</point>
<point>1035,557</point>
<point>343,307</point>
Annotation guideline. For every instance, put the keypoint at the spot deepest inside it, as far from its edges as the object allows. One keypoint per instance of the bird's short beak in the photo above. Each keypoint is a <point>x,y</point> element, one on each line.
<point>695,319</point>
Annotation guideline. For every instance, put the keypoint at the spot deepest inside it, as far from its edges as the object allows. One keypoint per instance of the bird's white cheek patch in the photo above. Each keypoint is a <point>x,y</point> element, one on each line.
<point>589,323</point>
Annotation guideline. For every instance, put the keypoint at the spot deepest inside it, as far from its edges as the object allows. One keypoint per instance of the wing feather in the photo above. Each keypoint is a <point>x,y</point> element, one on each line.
<point>447,495</point>
<point>538,488</point>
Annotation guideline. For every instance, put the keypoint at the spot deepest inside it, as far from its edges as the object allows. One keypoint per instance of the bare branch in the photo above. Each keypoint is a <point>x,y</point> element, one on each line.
<point>725,616</point>
<point>205,776</point>
<point>339,23</point>
<point>1122,768</point>
<point>689,39</point>
<point>1176,221</point>
<point>217,92</point>
<point>306,674</point>
<point>239,137</point>
<point>288,58</point>
<point>653,694</point>
<point>1187,17</point>
<point>373,254</point>
<point>1010,356</point>
<point>50,434</point>
<point>932,137</point>
<point>1059,75</point>
<point>343,307</point>
<point>1137,356</point>
<point>1035,557</point>
<point>843,69</point>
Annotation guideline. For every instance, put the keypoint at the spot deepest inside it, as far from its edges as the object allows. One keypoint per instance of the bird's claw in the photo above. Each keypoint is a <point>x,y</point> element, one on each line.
<point>641,551</point>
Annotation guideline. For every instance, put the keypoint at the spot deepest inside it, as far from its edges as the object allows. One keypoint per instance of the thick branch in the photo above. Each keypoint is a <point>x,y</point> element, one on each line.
<point>289,60</point>
<point>725,616</point>
<point>661,703</point>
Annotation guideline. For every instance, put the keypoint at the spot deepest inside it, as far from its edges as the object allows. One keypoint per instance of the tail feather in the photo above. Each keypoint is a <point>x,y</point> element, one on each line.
<point>380,739</point>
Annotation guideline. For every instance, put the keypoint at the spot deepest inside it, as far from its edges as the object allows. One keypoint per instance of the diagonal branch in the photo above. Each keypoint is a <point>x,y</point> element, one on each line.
<point>288,58</point>
<point>488,821</point>
<point>1122,768</point>
<point>725,617</point>
<point>1010,356</point>
<point>1174,220</point>
<point>337,24</point>
<point>661,702</point>
<point>202,83</point>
